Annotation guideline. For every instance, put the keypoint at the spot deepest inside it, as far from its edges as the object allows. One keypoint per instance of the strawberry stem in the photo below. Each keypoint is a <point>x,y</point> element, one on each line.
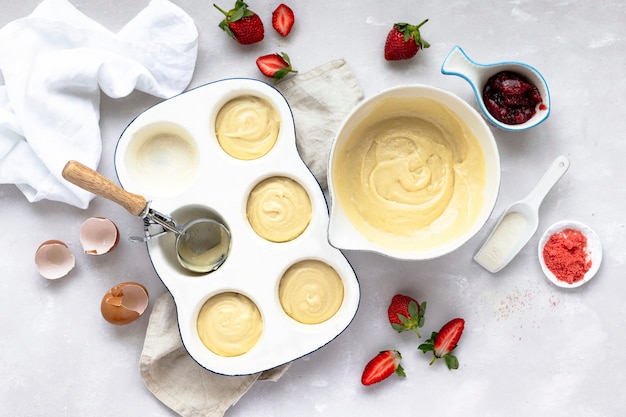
<point>220,9</point>
<point>411,30</point>
<point>421,24</point>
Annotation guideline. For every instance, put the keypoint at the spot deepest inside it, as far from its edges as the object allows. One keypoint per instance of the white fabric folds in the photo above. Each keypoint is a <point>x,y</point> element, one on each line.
<point>54,64</point>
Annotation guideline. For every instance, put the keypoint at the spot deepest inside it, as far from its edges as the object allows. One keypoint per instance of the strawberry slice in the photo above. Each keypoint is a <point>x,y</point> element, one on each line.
<point>443,342</point>
<point>405,313</point>
<point>283,19</point>
<point>275,65</point>
<point>382,366</point>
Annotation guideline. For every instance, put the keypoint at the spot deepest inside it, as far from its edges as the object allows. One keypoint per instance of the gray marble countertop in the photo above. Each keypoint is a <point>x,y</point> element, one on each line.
<point>529,348</point>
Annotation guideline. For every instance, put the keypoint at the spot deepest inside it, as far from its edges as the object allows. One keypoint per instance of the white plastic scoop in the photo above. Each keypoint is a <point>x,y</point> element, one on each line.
<point>519,222</point>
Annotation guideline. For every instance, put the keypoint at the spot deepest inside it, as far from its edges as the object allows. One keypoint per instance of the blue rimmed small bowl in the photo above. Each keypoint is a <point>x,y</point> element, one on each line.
<point>458,63</point>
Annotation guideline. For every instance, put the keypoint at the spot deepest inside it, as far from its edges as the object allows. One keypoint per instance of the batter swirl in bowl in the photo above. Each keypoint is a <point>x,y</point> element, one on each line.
<point>411,175</point>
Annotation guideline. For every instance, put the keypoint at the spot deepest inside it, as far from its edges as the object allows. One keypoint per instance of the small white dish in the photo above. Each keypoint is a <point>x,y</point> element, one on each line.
<point>594,249</point>
<point>458,63</point>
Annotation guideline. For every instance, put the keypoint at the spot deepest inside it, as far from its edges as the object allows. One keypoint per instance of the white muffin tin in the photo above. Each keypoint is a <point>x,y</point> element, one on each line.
<point>170,154</point>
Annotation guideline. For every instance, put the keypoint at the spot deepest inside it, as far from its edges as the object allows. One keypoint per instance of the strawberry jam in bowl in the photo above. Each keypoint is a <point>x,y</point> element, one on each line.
<point>511,98</point>
<point>414,173</point>
<point>512,95</point>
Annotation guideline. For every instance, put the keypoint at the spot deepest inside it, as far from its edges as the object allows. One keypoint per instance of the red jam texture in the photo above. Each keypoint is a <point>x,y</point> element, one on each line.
<point>510,98</point>
<point>566,255</point>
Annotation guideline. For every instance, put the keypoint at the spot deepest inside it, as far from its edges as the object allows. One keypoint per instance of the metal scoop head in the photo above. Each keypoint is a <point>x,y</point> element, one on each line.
<point>202,245</point>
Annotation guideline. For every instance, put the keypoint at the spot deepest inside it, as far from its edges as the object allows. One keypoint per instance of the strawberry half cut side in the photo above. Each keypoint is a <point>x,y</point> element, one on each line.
<point>382,366</point>
<point>275,65</point>
<point>442,343</point>
<point>283,19</point>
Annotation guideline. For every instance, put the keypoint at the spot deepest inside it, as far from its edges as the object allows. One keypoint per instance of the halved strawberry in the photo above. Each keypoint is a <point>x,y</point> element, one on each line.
<point>382,366</point>
<point>443,342</point>
<point>405,313</point>
<point>403,41</point>
<point>242,24</point>
<point>275,65</point>
<point>283,19</point>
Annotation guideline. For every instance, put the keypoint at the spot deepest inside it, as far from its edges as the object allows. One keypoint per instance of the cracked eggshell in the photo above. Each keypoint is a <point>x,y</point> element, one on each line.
<point>98,235</point>
<point>124,303</point>
<point>54,259</point>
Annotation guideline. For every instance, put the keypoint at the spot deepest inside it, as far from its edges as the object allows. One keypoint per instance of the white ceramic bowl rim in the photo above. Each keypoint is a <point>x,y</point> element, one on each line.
<point>343,235</point>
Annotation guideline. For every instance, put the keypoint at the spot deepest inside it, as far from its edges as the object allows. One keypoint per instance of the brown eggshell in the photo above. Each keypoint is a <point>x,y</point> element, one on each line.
<point>124,303</point>
<point>54,259</point>
<point>98,235</point>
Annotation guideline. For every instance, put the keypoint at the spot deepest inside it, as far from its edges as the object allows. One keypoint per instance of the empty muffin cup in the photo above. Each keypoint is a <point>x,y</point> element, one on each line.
<point>162,159</point>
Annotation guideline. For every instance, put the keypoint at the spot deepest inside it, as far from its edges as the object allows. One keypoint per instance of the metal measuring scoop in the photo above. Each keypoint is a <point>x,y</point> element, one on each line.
<point>202,245</point>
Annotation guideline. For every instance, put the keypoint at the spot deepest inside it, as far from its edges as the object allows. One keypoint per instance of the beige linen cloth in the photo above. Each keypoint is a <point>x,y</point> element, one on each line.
<point>319,100</point>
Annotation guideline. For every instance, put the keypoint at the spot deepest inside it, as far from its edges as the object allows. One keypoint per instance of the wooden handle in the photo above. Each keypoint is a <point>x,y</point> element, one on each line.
<point>92,181</point>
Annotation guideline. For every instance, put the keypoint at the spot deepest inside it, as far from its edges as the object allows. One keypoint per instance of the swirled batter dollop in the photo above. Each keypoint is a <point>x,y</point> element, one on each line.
<point>247,127</point>
<point>311,292</point>
<point>411,176</point>
<point>229,324</point>
<point>279,209</point>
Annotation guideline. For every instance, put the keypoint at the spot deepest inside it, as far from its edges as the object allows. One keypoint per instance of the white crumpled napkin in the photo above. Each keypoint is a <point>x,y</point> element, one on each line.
<point>55,62</point>
<point>319,100</point>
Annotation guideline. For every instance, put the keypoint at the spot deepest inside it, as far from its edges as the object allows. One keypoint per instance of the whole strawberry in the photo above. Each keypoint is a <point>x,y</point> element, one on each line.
<point>443,342</point>
<point>242,24</point>
<point>382,366</point>
<point>405,313</point>
<point>403,41</point>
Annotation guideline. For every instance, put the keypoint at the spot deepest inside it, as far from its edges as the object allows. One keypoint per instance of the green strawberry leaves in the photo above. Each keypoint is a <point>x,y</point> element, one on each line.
<point>442,343</point>
<point>414,321</point>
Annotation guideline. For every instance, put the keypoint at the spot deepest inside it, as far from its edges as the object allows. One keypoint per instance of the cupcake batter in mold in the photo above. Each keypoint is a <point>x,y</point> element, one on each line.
<point>231,321</point>
<point>311,292</point>
<point>247,127</point>
<point>279,209</point>
<point>229,324</point>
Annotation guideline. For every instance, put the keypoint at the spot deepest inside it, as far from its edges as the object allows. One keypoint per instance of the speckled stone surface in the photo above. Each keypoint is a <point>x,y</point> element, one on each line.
<point>529,347</point>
